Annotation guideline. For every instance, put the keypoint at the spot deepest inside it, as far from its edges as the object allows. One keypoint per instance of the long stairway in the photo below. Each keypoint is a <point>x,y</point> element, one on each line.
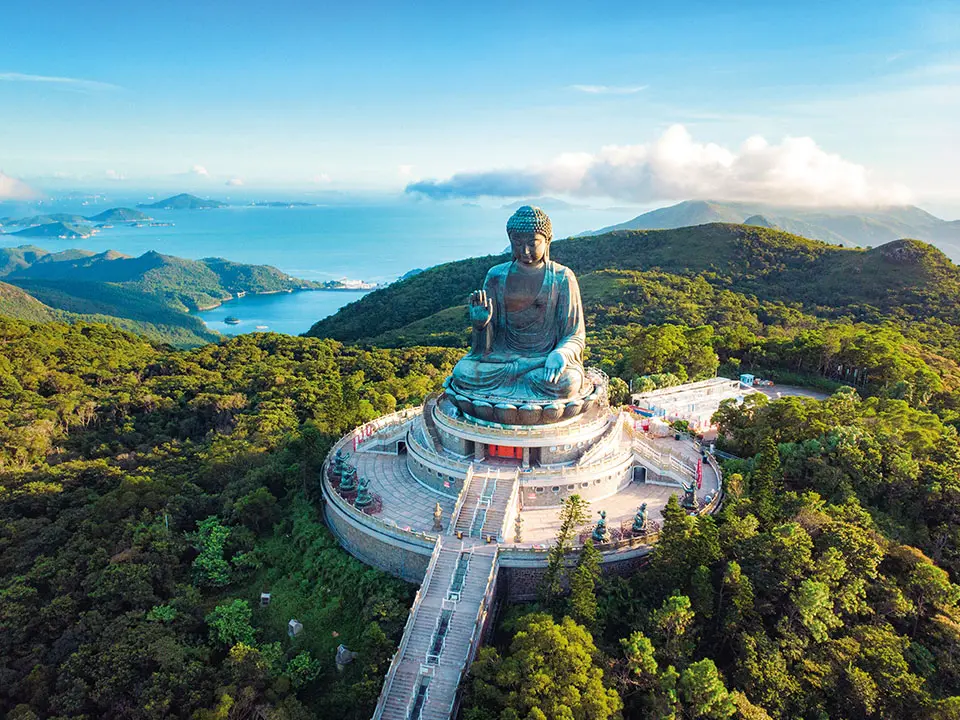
<point>447,616</point>
<point>486,504</point>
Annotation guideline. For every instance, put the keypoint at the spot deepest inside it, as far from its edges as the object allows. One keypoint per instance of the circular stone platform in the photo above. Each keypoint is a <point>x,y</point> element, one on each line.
<point>484,476</point>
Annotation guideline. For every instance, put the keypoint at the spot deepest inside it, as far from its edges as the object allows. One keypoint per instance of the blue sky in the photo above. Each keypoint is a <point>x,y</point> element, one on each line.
<point>378,96</point>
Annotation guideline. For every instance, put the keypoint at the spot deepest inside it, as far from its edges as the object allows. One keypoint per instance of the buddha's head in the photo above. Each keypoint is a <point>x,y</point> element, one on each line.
<point>530,233</point>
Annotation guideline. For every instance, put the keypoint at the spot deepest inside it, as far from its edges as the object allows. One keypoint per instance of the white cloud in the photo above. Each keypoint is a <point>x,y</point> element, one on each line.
<point>609,89</point>
<point>114,175</point>
<point>199,170</point>
<point>320,179</point>
<point>795,171</point>
<point>13,189</point>
<point>76,83</point>
<point>405,170</point>
<point>235,182</point>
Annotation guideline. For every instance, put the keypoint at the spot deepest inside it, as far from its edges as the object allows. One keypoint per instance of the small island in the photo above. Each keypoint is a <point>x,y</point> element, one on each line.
<point>60,230</point>
<point>231,320</point>
<point>281,204</point>
<point>183,201</point>
<point>120,215</point>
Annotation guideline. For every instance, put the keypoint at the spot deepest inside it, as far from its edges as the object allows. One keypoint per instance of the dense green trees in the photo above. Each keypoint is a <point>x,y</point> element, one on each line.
<point>550,671</point>
<point>822,589</point>
<point>148,497</point>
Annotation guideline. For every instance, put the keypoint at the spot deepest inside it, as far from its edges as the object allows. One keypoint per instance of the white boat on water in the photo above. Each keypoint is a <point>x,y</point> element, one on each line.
<point>263,327</point>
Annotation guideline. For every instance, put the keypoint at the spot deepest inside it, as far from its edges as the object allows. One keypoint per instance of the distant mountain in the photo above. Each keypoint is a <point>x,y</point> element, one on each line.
<point>183,201</point>
<point>12,259</point>
<point>117,215</point>
<point>280,204</point>
<point>151,294</point>
<point>759,221</point>
<point>865,227</point>
<point>45,219</point>
<point>61,230</point>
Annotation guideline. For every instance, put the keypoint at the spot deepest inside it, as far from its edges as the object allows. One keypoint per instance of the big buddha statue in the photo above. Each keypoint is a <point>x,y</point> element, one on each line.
<point>525,365</point>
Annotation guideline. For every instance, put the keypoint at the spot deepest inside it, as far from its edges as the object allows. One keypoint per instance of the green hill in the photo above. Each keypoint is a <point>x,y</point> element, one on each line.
<point>19,257</point>
<point>56,229</point>
<point>16,303</point>
<point>183,201</point>
<point>906,279</point>
<point>116,215</point>
<point>151,294</point>
<point>865,227</point>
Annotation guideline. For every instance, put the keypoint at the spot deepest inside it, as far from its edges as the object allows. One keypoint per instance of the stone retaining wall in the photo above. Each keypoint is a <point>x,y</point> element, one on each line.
<point>403,558</point>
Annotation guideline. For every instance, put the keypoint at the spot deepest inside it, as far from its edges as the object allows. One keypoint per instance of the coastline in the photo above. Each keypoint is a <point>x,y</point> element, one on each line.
<point>249,293</point>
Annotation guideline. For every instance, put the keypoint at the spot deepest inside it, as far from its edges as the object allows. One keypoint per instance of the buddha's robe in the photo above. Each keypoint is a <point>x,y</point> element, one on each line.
<point>512,370</point>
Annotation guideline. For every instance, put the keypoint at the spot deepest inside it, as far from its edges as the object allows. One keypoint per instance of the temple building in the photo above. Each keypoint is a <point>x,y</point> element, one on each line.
<point>462,494</point>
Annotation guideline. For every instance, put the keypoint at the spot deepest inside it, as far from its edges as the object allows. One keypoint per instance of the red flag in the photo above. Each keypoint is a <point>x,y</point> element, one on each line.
<point>699,473</point>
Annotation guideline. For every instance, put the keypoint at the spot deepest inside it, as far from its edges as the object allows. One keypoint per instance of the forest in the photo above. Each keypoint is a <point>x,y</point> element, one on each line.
<point>148,496</point>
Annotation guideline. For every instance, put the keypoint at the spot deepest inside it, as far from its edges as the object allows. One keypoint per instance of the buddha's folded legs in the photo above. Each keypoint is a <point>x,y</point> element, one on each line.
<point>523,380</point>
<point>566,386</point>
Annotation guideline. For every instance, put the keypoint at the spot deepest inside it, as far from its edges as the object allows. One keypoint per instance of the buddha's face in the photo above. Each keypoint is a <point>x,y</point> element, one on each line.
<point>529,250</point>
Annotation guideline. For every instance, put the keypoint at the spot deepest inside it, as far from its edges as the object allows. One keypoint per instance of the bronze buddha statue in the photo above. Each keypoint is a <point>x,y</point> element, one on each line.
<point>526,361</point>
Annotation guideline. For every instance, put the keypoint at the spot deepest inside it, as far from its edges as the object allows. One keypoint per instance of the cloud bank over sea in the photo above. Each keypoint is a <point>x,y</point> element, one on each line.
<point>796,171</point>
<point>13,189</point>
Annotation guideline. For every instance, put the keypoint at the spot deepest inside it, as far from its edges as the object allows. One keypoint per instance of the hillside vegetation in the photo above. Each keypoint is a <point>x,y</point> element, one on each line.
<point>688,301</point>
<point>865,227</point>
<point>151,294</point>
<point>147,498</point>
<point>908,279</point>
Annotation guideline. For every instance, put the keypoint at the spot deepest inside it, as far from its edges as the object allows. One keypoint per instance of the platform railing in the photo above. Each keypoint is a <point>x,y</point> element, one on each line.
<point>562,429</point>
<point>429,455</point>
<point>389,528</point>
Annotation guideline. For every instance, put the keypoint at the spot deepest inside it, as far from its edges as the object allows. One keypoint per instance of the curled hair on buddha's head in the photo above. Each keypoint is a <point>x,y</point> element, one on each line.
<point>527,221</point>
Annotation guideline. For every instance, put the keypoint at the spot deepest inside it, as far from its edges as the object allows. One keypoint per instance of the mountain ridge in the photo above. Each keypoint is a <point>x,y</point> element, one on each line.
<point>908,279</point>
<point>152,294</point>
<point>845,226</point>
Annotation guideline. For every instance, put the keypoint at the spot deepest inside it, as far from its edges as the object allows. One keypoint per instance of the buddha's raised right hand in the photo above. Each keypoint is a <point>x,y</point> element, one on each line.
<point>481,309</point>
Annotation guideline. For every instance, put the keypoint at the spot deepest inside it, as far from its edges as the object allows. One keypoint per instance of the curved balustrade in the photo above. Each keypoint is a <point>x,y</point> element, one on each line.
<point>330,493</point>
<point>430,456</point>
<point>516,434</point>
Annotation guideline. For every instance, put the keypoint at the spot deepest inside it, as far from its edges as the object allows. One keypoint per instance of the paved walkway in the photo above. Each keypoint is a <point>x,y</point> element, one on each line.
<point>405,501</point>
<point>410,505</point>
<point>540,526</point>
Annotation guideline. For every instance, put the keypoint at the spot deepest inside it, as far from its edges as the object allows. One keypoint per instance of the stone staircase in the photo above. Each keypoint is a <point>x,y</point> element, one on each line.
<point>433,435</point>
<point>443,631</point>
<point>485,507</point>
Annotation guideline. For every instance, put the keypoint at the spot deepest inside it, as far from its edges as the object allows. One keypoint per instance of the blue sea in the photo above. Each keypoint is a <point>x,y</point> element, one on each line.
<point>374,241</point>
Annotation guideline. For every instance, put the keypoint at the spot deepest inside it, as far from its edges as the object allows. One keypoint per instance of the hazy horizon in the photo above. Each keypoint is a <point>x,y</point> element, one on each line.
<point>617,104</point>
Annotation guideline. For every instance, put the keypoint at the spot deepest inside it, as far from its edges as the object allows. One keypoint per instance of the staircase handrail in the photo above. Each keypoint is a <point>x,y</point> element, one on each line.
<point>476,508</point>
<point>475,634</point>
<point>461,499</point>
<point>512,502</point>
<point>407,629</point>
